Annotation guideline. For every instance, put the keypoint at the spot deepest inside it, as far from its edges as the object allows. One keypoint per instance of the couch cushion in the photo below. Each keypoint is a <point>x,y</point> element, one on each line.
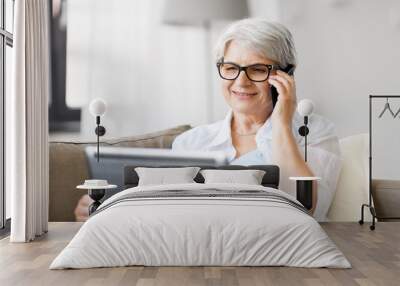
<point>68,167</point>
<point>352,188</point>
<point>386,196</point>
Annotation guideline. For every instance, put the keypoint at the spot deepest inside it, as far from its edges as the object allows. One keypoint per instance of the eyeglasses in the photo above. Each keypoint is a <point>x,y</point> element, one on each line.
<point>256,72</point>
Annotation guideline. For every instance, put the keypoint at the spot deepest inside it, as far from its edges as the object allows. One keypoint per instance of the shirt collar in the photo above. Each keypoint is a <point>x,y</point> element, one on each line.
<point>224,132</point>
<point>264,133</point>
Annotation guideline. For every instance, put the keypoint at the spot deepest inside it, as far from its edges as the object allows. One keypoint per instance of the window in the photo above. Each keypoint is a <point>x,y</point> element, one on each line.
<point>6,43</point>
<point>61,118</point>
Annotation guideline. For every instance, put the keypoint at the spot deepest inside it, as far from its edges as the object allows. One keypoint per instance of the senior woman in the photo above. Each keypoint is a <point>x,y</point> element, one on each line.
<point>251,55</point>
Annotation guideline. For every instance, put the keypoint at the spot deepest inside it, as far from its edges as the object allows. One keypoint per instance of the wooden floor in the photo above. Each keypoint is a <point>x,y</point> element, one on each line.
<point>375,257</point>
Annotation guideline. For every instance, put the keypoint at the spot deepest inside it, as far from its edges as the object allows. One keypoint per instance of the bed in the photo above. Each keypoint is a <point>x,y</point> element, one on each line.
<point>199,224</point>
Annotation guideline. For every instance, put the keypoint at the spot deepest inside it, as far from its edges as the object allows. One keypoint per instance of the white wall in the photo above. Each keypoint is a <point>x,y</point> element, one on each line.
<point>347,49</point>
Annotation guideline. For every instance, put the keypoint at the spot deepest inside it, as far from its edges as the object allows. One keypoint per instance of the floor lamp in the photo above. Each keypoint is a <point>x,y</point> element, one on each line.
<point>202,13</point>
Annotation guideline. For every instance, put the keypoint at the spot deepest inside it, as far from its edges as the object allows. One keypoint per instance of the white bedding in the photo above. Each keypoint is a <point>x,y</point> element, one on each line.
<point>181,231</point>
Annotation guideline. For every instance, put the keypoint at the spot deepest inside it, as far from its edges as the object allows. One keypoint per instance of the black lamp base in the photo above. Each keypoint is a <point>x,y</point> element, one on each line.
<point>303,131</point>
<point>100,131</point>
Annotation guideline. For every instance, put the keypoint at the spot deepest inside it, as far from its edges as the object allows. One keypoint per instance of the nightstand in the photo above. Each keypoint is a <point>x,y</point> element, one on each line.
<point>304,190</point>
<point>96,191</point>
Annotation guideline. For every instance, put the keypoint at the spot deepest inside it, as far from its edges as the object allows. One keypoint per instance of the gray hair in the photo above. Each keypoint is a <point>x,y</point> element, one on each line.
<point>270,39</point>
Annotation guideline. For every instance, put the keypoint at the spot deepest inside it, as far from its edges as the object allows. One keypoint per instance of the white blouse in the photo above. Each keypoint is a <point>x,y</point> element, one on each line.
<point>323,152</point>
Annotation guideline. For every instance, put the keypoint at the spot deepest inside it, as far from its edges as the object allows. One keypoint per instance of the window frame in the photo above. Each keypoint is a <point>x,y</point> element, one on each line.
<point>6,39</point>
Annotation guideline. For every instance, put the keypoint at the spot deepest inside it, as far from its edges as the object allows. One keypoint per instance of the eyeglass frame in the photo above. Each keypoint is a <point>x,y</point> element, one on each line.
<point>244,68</point>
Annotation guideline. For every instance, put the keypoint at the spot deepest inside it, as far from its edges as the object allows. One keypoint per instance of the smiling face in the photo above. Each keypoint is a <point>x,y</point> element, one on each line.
<point>243,95</point>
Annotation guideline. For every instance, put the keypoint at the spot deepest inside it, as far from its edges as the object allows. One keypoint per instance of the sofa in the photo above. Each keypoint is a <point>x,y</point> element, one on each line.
<point>69,168</point>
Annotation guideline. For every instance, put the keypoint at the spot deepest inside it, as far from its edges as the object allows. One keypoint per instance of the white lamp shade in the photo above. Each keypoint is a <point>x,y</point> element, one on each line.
<point>198,12</point>
<point>305,107</point>
<point>97,107</point>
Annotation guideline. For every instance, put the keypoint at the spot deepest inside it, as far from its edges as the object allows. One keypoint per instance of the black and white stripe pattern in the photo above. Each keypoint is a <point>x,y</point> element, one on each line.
<point>205,194</point>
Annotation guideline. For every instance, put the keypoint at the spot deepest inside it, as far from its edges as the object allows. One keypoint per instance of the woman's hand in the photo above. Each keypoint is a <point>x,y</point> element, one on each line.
<point>82,208</point>
<point>287,101</point>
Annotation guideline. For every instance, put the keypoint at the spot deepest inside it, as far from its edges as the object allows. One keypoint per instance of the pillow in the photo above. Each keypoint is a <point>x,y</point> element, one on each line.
<point>352,187</point>
<point>248,177</point>
<point>162,176</point>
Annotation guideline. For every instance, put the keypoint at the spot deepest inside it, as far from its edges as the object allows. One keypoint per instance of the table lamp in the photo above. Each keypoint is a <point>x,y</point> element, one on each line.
<point>305,108</point>
<point>97,108</point>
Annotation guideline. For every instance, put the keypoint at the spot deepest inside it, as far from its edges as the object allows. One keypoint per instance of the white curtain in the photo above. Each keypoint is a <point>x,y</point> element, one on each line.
<point>27,122</point>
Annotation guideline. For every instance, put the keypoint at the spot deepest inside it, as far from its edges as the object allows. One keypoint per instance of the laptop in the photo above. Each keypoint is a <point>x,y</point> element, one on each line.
<point>112,161</point>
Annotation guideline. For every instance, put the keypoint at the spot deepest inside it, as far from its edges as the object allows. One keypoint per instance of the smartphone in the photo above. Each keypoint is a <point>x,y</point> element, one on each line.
<point>274,93</point>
